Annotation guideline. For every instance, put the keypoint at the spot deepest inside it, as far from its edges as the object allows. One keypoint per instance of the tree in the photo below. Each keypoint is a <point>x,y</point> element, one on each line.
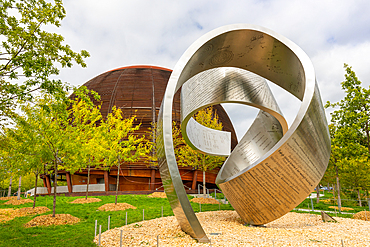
<point>49,120</point>
<point>85,118</point>
<point>350,132</point>
<point>8,155</point>
<point>120,142</point>
<point>30,55</point>
<point>189,157</point>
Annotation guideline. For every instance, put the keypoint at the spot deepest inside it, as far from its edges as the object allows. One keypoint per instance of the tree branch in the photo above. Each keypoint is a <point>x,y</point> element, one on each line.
<point>22,47</point>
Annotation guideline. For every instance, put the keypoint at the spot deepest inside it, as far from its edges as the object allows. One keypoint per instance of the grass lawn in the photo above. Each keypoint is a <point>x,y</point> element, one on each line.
<point>327,200</point>
<point>13,233</point>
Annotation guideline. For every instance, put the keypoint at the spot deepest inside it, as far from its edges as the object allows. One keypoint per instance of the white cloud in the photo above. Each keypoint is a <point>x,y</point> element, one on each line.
<point>121,33</point>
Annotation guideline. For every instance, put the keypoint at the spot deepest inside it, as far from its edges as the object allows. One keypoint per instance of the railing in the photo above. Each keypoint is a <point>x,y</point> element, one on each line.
<point>64,189</point>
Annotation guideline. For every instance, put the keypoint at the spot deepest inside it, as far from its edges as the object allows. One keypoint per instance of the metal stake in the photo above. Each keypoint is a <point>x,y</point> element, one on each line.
<point>99,234</point>
<point>143,214</point>
<point>365,214</point>
<point>311,204</point>
<point>120,239</point>
<point>96,227</point>
<point>126,218</point>
<point>157,240</point>
<point>342,242</point>
<point>108,222</point>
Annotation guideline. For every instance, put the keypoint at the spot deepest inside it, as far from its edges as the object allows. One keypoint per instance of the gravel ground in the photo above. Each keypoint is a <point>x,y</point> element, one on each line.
<point>225,228</point>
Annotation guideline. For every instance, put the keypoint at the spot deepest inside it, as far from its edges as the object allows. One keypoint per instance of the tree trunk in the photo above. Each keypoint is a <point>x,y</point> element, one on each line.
<point>204,175</point>
<point>318,193</point>
<point>55,186</point>
<point>10,186</point>
<point>35,194</point>
<point>119,164</point>
<point>19,188</point>
<point>88,180</point>
<point>359,197</point>
<point>333,190</point>
<point>338,190</point>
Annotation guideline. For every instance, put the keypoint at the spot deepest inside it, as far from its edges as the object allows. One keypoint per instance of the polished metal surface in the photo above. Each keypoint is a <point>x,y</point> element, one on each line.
<point>273,168</point>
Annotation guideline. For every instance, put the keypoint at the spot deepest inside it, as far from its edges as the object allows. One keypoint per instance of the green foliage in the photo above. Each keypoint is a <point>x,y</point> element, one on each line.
<point>30,54</point>
<point>350,134</point>
<point>119,142</point>
<point>84,117</point>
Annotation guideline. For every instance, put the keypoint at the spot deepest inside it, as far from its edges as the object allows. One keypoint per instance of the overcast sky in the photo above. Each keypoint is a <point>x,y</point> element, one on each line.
<point>122,33</point>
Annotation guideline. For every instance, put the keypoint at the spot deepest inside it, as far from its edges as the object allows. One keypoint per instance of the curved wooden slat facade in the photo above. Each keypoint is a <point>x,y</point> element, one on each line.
<point>138,90</point>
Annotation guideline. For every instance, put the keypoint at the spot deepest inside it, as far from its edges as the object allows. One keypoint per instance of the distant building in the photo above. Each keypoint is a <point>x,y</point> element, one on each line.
<point>136,90</point>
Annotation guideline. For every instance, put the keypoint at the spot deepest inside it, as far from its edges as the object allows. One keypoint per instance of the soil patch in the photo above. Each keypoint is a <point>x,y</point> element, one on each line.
<point>225,228</point>
<point>202,200</point>
<point>83,200</point>
<point>7,198</point>
<point>158,195</point>
<point>115,207</point>
<point>18,202</point>
<point>48,220</point>
<point>10,213</point>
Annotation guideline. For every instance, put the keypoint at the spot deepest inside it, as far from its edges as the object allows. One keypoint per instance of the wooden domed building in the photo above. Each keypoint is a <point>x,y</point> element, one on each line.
<point>136,90</point>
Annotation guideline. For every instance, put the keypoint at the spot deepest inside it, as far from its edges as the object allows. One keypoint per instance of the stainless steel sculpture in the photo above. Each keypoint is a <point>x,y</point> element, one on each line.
<point>273,168</point>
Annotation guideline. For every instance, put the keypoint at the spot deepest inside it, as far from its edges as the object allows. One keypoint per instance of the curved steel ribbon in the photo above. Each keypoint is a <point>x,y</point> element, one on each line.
<point>268,173</point>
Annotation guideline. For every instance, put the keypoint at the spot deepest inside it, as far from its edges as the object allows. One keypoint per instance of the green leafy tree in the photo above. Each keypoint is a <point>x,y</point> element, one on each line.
<point>351,133</point>
<point>29,146</point>
<point>120,142</point>
<point>85,119</point>
<point>8,157</point>
<point>29,54</point>
<point>49,120</point>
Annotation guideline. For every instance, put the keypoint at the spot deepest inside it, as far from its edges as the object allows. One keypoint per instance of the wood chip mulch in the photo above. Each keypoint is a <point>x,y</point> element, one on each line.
<point>225,228</point>
<point>48,220</point>
<point>18,202</point>
<point>342,208</point>
<point>363,215</point>
<point>10,213</point>
<point>7,198</point>
<point>158,195</point>
<point>202,200</point>
<point>115,207</point>
<point>83,200</point>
